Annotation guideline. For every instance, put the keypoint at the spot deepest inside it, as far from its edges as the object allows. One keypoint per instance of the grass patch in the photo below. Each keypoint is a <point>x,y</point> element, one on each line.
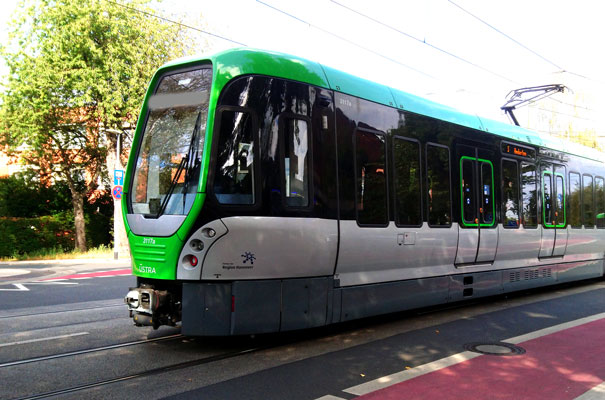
<point>102,251</point>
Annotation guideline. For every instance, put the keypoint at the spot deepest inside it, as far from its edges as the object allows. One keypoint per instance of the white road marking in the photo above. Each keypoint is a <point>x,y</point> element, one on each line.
<point>19,286</point>
<point>329,397</point>
<point>596,393</point>
<point>43,339</point>
<point>4,272</point>
<point>405,375</point>
<point>555,328</point>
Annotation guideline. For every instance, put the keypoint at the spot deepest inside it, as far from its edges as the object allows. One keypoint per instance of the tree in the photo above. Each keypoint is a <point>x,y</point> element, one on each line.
<point>79,70</point>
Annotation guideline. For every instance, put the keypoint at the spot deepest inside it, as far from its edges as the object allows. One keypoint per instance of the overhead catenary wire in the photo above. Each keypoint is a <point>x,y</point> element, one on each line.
<point>562,113</point>
<point>347,40</point>
<point>505,35</point>
<point>423,41</point>
<point>569,104</point>
<point>175,22</point>
<point>451,54</point>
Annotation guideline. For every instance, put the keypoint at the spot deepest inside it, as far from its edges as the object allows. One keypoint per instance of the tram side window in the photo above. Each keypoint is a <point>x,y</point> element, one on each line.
<point>599,193</point>
<point>469,208</point>
<point>438,185</point>
<point>588,206</point>
<point>234,175</point>
<point>510,194</point>
<point>559,201</point>
<point>575,200</point>
<point>529,195</point>
<point>370,174</point>
<point>296,163</point>
<point>547,212</point>
<point>406,160</point>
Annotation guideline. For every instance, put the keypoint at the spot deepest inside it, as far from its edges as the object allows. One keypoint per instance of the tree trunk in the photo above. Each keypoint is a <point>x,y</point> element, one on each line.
<point>77,200</point>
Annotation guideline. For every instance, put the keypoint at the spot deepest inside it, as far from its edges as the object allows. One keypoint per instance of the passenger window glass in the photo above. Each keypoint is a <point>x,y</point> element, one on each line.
<point>406,159</point>
<point>588,207</point>
<point>529,195</point>
<point>371,178</point>
<point>438,185</point>
<point>487,193</point>
<point>560,201</point>
<point>469,209</point>
<point>234,180</point>
<point>547,199</point>
<point>575,203</point>
<point>510,194</point>
<point>296,162</point>
<point>600,201</point>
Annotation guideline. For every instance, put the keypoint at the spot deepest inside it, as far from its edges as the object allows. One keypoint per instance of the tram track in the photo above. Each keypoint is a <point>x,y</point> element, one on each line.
<point>151,372</point>
<point>87,351</point>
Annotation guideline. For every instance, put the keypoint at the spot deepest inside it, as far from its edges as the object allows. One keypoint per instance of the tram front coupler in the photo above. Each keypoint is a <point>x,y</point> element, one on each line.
<point>151,307</point>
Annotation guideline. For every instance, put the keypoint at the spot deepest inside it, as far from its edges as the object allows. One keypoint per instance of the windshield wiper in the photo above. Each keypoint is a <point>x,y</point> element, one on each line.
<point>193,159</point>
<point>187,164</point>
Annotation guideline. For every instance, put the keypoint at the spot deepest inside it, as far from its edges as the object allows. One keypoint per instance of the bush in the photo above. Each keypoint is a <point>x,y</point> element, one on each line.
<point>34,217</point>
<point>21,195</point>
<point>23,235</point>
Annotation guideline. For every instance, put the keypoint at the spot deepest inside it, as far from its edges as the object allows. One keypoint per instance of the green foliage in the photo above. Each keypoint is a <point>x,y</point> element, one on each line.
<point>36,218</point>
<point>78,74</point>
<point>23,196</point>
<point>50,232</point>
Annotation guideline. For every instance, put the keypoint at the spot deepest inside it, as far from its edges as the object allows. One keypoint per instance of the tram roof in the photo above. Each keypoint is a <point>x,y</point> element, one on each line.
<point>241,61</point>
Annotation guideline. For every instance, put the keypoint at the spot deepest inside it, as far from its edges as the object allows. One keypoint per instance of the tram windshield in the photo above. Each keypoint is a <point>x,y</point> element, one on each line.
<point>167,168</point>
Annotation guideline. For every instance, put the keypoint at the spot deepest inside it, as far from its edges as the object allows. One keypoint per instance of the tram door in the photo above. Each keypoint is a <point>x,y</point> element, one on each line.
<point>477,236</point>
<point>554,218</point>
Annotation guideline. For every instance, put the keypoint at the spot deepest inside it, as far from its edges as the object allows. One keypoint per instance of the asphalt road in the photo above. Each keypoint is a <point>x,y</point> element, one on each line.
<point>73,339</point>
<point>35,284</point>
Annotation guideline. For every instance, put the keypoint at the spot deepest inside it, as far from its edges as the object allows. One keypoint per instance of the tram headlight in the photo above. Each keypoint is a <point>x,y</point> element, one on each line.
<point>196,245</point>
<point>209,232</point>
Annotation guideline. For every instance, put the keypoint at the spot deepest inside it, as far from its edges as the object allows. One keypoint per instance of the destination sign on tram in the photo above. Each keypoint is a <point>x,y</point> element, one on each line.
<point>519,151</point>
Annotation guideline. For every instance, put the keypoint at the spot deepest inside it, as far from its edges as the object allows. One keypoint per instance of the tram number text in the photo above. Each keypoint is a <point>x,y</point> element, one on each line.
<point>345,102</point>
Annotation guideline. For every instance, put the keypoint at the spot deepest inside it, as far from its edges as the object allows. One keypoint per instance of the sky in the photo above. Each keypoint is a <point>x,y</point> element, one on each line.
<point>468,54</point>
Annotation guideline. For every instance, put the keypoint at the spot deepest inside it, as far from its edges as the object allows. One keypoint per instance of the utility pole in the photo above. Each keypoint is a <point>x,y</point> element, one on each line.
<point>120,241</point>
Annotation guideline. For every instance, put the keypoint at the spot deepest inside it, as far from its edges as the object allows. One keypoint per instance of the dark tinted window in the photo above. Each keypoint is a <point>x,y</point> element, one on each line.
<point>559,201</point>
<point>588,206</point>
<point>599,193</point>
<point>371,180</point>
<point>529,195</point>
<point>510,194</point>
<point>575,197</point>
<point>438,185</point>
<point>406,160</point>
<point>296,163</point>
<point>234,179</point>
<point>547,213</point>
<point>487,193</point>
<point>469,209</point>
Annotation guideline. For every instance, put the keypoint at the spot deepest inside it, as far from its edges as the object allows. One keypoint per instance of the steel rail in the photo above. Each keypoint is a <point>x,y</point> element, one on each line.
<point>93,350</point>
<point>155,371</point>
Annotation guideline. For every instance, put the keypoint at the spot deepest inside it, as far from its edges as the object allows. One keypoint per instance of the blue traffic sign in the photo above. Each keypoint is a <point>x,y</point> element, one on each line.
<point>118,177</point>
